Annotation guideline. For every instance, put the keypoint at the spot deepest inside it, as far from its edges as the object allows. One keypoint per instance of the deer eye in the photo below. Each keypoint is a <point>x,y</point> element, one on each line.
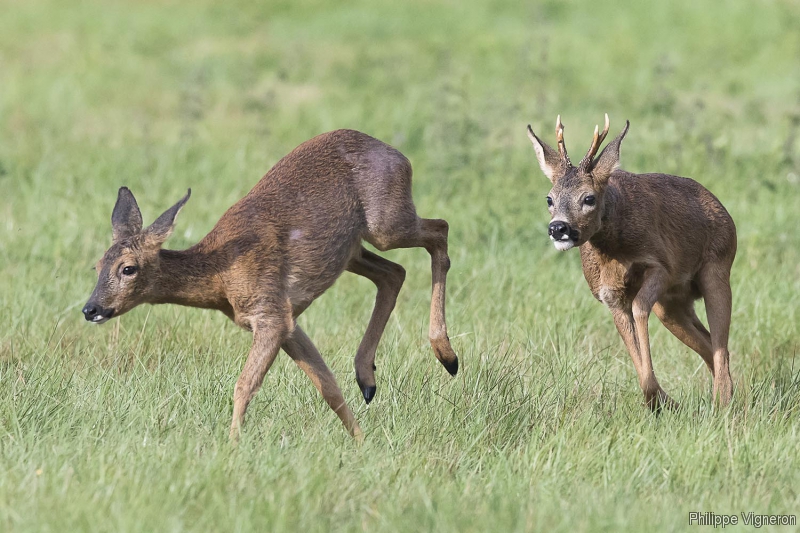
<point>549,202</point>
<point>129,270</point>
<point>589,200</point>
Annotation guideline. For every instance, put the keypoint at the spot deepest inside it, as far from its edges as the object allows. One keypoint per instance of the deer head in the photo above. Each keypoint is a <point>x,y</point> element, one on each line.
<point>127,271</point>
<point>576,201</point>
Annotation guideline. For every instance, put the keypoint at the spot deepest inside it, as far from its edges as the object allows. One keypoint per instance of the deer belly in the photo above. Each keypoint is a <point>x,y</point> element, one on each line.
<point>302,288</point>
<point>315,267</point>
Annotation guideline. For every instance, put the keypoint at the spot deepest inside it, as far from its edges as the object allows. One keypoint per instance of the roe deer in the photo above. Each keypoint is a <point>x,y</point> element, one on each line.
<point>277,250</point>
<point>648,242</point>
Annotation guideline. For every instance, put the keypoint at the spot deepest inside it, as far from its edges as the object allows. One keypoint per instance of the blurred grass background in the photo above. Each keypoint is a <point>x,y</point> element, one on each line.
<point>124,427</point>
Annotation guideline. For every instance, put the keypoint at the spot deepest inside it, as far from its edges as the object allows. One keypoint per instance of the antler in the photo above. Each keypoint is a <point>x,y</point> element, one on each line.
<point>597,140</point>
<point>562,148</point>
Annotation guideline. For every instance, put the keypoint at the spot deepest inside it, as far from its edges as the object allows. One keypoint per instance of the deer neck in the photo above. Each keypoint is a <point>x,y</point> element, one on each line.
<point>606,241</point>
<point>188,277</point>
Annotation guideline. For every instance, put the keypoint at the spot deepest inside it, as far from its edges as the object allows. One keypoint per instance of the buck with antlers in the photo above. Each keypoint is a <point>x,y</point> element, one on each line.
<point>647,242</point>
<point>277,250</point>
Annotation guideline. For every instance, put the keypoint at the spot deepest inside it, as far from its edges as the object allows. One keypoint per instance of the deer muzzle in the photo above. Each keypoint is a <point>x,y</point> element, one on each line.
<point>96,314</point>
<point>563,236</point>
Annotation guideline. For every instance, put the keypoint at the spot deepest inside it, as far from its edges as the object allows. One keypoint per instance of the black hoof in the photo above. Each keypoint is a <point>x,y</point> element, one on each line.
<point>451,367</point>
<point>369,393</point>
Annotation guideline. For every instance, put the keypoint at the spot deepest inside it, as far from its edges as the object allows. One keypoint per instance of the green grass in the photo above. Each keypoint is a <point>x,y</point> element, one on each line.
<point>124,427</point>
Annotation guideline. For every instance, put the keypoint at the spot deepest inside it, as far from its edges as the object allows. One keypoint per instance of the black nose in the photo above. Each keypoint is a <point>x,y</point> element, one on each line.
<point>558,229</point>
<point>91,311</point>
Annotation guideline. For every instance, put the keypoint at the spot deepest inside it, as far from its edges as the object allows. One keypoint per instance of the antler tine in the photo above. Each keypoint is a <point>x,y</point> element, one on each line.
<point>562,148</point>
<point>597,140</point>
<point>605,132</point>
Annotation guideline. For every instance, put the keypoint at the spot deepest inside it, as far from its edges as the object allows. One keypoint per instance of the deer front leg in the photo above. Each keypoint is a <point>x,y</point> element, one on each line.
<point>268,335</point>
<point>307,357</point>
<point>626,326</point>
<point>654,281</point>
<point>623,319</point>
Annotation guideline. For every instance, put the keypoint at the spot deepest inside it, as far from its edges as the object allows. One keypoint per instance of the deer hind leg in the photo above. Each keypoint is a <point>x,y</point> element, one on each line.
<point>388,277</point>
<point>268,335</point>
<point>679,317</point>
<point>430,234</point>
<point>716,289</point>
<point>307,357</point>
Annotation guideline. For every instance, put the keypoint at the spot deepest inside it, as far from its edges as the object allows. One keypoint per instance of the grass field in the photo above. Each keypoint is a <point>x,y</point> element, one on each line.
<point>124,427</point>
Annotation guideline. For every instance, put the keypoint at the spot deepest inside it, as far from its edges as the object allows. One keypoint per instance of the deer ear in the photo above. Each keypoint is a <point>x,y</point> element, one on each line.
<point>160,230</point>
<point>549,160</point>
<point>608,160</point>
<point>126,219</point>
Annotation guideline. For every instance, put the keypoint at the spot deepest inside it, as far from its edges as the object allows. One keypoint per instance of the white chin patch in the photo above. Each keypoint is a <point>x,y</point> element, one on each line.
<point>563,246</point>
<point>99,319</point>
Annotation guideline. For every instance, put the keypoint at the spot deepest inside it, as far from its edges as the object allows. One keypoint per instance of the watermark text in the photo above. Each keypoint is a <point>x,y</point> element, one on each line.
<point>756,520</point>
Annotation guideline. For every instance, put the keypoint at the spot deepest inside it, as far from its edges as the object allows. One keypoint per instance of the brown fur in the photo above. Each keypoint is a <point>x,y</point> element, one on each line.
<point>278,249</point>
<point>647,242</point>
